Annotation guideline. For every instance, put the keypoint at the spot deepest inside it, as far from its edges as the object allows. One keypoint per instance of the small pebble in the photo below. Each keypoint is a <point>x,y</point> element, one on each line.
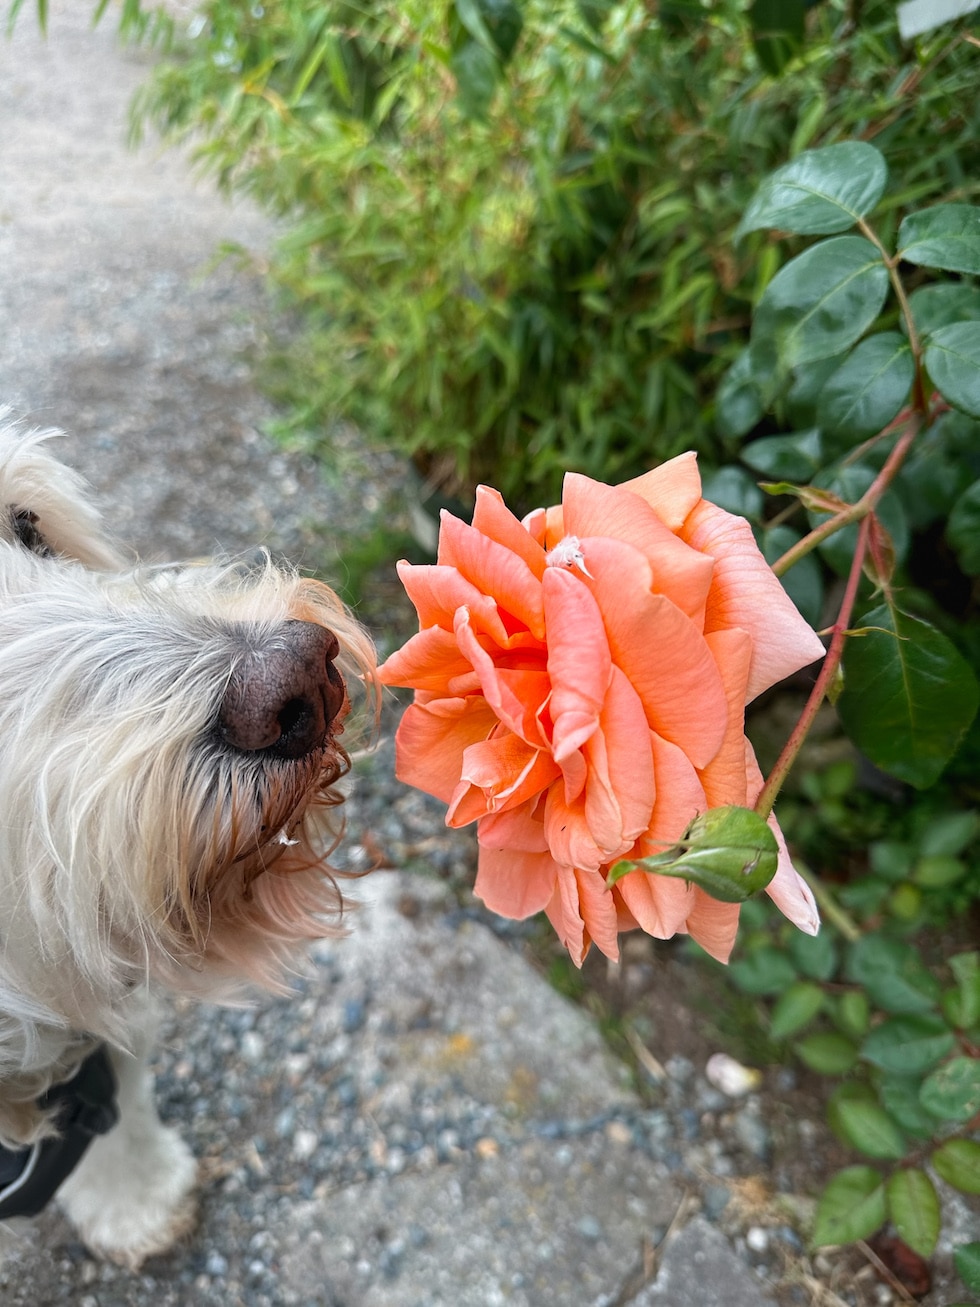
<point>757,1239</point>
<point>305,1144</point>
<point>730,1076</point>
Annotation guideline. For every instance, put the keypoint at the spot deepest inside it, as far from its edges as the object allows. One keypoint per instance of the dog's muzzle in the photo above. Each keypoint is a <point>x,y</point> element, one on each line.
<point>282,700</point>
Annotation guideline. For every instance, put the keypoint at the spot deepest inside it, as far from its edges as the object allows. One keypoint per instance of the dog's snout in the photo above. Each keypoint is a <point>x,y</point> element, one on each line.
<point>283,699</point>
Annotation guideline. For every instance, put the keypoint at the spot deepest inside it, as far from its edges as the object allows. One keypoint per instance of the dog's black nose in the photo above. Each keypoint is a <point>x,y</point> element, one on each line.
<point>282,699</point>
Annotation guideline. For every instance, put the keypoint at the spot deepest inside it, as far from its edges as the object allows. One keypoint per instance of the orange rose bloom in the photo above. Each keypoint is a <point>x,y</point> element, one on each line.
<point>580,687</point>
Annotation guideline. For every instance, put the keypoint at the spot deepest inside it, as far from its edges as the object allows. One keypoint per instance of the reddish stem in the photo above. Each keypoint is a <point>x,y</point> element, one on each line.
<point>831,662</point>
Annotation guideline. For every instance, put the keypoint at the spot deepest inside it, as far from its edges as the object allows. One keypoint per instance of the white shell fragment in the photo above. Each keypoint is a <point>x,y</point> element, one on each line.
<point>730,1076</point>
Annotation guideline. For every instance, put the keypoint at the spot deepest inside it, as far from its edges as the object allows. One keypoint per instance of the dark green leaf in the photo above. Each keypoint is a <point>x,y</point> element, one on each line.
<point>869,1129</point>
<point>765,970</point>
<point>900,1099</point>
<point>821,192</point>
<point>957,1161</point>
<point>796,1008</point>
<point>729,852</point>
<point>785,458</point>
<point>946,236</point>
<point>851,1207</point>
<point>952,357</point>
<point>963,529</point>
<point>808,381</point>
<point>967,1259</point>
<point>944,302</point>
<point>891,859</point>
<point>504,22</point>
<point>827,1052</point>
<point>853,1013</point>
<point>893,975</point>
<point>815,955</point>
<point>734,490</point>
<point>952,1093</point>
<point>966,968</point>
<point>938,870</point>
<point>821,302</point>
<point>870,387</point>
<point>909,1045</point>
<point>913,1206</point>
<point>908,695</point>
<point>477,72</point>
<point>740,402</point>
<point>846,1094</point>
<point>950,833</point>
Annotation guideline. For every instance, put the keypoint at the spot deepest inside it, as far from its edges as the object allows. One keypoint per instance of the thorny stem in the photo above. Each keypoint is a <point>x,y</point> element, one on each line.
<point>861,508</point>
<point>859,511</point>
<point>831,662</point>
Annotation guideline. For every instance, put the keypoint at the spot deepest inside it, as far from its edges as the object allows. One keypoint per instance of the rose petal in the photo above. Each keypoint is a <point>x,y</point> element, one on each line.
<point>438,592</point>
<point>724,777</point>
<point>713,924</point>
<point>517,694</point>
<point>566,829</point>
<point>516,874</point>
<point>562,911</point>
<point>432,739</point>
<point>494,519</point>
<point>671,490</point>
<point>579,663</point>
<point>790,892</point>
<point>662,652</point>
<point>598,909</point>
<point>661,903</point>
<point>495,570</point>
<point>746,594</point>
<point>677,570</point>
<point>430,661</point>
<point>496,774</point>
<point>620,790</point>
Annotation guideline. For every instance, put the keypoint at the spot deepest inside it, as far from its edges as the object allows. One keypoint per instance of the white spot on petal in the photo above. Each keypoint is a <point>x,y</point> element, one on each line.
<point>568,553</point>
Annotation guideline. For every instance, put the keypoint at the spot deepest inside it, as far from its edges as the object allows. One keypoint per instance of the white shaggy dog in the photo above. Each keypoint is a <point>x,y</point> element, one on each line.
<point>168,757</point>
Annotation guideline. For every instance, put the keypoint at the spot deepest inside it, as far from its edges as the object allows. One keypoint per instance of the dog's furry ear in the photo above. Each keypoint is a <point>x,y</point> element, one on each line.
<point>44,506</point>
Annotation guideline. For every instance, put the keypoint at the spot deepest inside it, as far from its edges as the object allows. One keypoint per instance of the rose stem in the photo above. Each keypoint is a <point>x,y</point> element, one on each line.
<point>831,662</point>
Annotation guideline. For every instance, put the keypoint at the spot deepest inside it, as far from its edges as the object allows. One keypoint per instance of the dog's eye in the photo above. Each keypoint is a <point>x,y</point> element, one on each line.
<point>25,528</point>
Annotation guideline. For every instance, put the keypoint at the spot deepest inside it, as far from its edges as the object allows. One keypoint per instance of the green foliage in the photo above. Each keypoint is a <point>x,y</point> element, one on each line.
<point>509,225</point>
<point>840,346</point>
<point>876,380</point>
<point>896,1028</point>
<point>892,1027</point>
<point>909,695</point>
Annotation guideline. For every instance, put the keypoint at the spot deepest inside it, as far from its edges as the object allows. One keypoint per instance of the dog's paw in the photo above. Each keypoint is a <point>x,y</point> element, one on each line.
<point>128,1206</point>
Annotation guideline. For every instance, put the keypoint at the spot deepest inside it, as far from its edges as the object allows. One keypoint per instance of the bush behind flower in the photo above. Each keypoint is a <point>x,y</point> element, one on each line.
<point>515,258</point>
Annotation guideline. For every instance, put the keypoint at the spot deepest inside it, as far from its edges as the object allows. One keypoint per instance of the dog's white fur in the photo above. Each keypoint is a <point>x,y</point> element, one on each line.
<point>138,851</point>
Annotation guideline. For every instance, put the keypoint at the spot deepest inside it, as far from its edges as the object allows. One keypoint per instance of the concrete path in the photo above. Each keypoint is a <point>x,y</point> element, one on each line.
<point>430,1123</point>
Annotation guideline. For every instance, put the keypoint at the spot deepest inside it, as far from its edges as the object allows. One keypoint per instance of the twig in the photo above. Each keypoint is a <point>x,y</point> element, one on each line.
<point>886,1274</point>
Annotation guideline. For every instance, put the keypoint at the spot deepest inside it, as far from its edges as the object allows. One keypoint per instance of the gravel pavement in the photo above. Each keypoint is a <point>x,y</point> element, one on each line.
<point>426,1121</point>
